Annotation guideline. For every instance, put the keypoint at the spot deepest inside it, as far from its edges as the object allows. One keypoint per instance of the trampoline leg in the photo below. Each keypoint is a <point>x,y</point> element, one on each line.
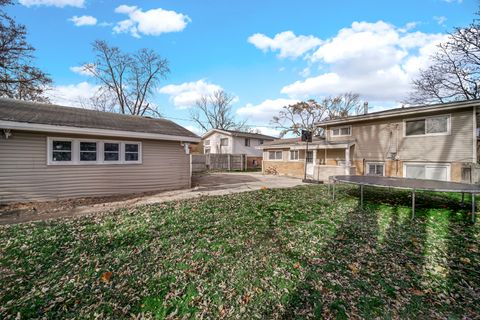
<point>413,204</point>
<point>361,196</point>
<point>463,198</point>
<point>333,191</point>
<point>474,209</point>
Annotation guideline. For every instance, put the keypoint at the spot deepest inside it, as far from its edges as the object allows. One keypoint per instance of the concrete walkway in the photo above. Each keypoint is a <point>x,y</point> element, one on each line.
<point>203,185</point>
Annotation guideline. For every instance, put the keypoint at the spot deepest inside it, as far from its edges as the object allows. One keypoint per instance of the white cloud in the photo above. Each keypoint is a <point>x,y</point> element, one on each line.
<point>186,94</point>
<point>376,60</point>
<point>289,45</point>
<point>269,131</point>
<point>53,3</point>
<point>264,111</point>
<point>83,20</point>
<point>440,20</point>
<point>73,94</point>
<point>151,22</point>
<point>81,70</point>
<point>453,1</point>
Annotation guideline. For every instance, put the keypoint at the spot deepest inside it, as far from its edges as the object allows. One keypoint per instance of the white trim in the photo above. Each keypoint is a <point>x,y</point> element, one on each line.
<point>367,163</point>
<point>449,126</point>
<point>340,130</point>
<point>432,164</point>
<point>100,152</point>
<point>92,131</point>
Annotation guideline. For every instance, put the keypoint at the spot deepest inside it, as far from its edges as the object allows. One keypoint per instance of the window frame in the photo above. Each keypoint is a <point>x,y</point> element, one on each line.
<point>100,152</point>
<point>206,142</point>
<point>367,167</point>
<point>449,126</point>
<point>290,155</point>
<point>247,142</point>
<point>80,151</point>
<point>224,139</point>
<point>50,151</point>
<point>281,158</point>
<point>340,131</point>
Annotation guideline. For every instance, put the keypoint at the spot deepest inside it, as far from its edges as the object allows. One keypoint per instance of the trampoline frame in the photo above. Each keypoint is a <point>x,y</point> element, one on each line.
<point>338,179</point>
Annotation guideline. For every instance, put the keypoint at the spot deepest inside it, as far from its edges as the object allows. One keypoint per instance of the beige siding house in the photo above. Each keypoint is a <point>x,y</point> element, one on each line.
<point>52,152</point>
<point>426,142</point>
<point>218,141</point>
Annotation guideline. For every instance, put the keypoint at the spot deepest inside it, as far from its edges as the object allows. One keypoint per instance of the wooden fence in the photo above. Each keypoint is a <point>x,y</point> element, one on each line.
<point>218,162</point>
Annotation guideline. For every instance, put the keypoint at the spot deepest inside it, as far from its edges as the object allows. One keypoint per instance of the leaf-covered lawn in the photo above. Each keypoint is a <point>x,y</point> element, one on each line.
<point>284,253</point>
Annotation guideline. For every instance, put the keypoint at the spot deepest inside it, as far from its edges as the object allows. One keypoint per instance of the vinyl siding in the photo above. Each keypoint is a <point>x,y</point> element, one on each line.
<point>374,139</point>
<point>25,176</point>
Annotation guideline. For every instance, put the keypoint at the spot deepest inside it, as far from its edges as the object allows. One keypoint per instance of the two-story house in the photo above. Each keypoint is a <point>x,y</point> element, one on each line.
<point>218,141</point>
<point>425,142</point>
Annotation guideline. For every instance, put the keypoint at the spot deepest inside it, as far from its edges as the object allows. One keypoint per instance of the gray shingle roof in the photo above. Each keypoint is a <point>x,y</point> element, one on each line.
<point>41,113</point>
<point>250,135</point>
<point>279,143</point>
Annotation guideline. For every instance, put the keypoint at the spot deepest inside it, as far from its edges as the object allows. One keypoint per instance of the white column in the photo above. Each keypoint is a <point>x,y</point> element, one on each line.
<point>347,160</point>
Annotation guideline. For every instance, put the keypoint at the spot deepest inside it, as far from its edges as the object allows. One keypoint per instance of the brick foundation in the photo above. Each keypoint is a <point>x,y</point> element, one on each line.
<point>284,168</point>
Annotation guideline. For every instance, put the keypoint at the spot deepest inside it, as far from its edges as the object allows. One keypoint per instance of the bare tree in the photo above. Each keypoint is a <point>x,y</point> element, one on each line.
<point>214,111</point>
<point>454,73</point>
<point>19,79</point>
<point>129,79</point>
<point>305,114</point>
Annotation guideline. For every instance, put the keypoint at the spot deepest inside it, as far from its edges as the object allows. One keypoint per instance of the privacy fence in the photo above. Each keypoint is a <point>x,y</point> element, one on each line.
<point>218,162</point>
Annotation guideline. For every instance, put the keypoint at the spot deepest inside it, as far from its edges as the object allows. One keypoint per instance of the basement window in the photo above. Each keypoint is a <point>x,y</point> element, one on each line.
<point>375,168</point>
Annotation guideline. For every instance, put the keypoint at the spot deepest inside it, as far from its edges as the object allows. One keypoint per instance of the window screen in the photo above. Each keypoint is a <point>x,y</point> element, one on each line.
<point>415,127</point>
<point>375,169</point>
<point>437,124</point>
<point>61,150</point>
<point>88,151</point>
<point>131,152</point>
<point>111,151</point>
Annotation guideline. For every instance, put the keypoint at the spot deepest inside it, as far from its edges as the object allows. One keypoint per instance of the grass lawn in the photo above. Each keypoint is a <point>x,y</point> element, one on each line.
<point>285,253</point>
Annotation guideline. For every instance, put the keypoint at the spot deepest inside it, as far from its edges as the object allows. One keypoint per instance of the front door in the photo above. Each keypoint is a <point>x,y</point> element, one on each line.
<point>310,164</point>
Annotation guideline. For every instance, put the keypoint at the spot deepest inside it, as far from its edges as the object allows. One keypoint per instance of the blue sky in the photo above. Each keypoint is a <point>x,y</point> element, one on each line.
<point>266,53</point>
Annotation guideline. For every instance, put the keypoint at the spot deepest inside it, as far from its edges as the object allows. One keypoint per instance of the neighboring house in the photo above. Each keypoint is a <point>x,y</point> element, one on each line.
<point>425,142</point>
<point>51,152</point>
<point>218,141</point>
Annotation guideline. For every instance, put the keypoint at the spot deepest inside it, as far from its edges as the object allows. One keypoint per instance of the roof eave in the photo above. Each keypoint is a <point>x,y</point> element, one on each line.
<point>398,112</point>
<point>26,126</point>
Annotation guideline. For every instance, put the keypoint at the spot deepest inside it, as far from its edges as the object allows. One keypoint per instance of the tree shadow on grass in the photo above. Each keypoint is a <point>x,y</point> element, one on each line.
<point>377,265</point>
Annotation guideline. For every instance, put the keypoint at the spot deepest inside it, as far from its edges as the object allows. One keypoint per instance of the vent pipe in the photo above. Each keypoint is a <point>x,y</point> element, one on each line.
<point>365,107</point>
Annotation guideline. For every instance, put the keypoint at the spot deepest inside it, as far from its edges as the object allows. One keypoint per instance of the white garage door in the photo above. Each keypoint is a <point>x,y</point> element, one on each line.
<point>427,171</point>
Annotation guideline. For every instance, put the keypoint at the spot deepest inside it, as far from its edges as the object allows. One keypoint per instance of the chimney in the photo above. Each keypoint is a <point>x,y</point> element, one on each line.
<point>365,107</point>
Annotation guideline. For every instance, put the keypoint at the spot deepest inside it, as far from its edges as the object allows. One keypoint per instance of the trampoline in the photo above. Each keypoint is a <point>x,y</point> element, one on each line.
<point>409,184</point>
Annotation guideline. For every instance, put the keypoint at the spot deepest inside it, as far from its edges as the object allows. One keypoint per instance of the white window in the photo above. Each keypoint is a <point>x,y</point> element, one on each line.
<point>309,157</point>
<point>341,131</point>
<point>132,151</point>
<point>61,151</point>
<point>224,142</point>
<point>88,151</point>
<point>207,142</point>
<point>294,155</point>
<point>260,141</point>
<point>275,155</point>
<point>432,171</point>
<point>111,151</point>
<point>436,125</point>
<point>375,168</point>
<point>66,151</point>
<point>207,150</point>
<point>247,142</point>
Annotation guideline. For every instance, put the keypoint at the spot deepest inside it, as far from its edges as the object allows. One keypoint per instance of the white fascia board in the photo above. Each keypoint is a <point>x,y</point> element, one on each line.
<point>12,125</point>
<point>395,113</point>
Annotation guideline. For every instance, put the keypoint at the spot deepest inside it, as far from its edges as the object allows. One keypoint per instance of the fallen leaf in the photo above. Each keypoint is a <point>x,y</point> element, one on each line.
<point>354,267</point>
<point>296,265</point>
<point>417,292</point>
<point>106,276</point>
<point>465,260</point>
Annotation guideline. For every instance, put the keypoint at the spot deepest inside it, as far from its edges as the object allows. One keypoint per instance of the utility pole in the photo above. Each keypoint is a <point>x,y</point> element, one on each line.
<point>306,137</point>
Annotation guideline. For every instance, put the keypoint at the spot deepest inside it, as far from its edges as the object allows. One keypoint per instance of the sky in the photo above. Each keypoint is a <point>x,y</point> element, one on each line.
<point>267,54</point>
